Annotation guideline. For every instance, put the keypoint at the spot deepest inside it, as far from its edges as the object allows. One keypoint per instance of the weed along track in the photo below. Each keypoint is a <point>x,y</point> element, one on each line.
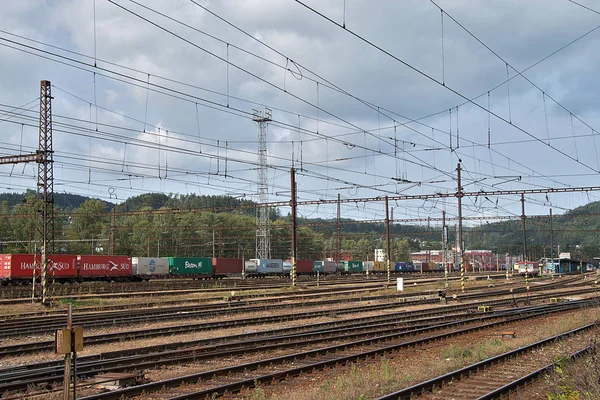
<point>284,356</point>
<point>503,375</point>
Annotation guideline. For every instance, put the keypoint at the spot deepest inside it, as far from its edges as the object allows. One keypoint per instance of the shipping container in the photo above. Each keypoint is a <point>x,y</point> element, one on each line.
<point>367,266</point>
<point>402,266</point>
<point>329,267</point>
<point>190,266</point>
<point>225,266</point>
<point>251,267</point>
<point>424,267</point>
<point>63,267</point>
<point>304,267</point>
<point>149,267</point>
<point>318,266</point>
<point>353,266</point>
<point>93,267</point>
<point>340,266</point>
<point>380,266</point>
<point>268,266</point>
<point>287,266</point>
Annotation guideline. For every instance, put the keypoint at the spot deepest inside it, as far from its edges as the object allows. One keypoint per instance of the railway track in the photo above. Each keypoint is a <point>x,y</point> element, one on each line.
<point>269,370</point>
<point>381,329</point>
<point>22,294</point>
<point>494,378</point>
<point>47,324</point>
<point>46,345</point>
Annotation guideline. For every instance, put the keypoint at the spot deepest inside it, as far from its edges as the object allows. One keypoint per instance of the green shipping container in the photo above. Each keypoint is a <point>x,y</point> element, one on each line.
<point>190,266</point>
<point>353,266</point>
<point>318,266</point>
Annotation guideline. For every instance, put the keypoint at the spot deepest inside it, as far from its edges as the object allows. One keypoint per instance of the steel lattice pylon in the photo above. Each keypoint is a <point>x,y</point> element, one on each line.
<point>263,237</point>
<point>45,188</point>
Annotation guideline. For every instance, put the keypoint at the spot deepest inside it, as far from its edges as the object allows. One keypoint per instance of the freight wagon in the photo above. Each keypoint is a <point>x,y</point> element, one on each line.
<point>191,267</point>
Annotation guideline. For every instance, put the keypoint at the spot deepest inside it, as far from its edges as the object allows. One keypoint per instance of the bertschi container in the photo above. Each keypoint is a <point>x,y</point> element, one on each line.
<point>21,266</point>
<point>91,267</point>
<point>353,266</point>
<point>148,266</point>
<point>268,266</point>
<point>224,266</point>
<point>190,266</point>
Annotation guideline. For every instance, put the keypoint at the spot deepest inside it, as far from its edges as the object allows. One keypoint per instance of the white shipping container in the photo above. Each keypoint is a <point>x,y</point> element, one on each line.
<point>148,266</point>
<point>287,266</point>
<point>251,266</point>
<point>367,265</point>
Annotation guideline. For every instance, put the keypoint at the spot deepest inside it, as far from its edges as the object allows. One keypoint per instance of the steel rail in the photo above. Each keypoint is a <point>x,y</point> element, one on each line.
<point>293,358</point>
<point>464,373</point>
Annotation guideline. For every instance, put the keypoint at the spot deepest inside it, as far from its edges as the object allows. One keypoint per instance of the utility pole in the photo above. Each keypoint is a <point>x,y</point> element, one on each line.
<point>338,250</point>
<point>444,248</point>
<point>387,230</point>
<point>263,237</point>
<point>459,195</point>
<point>293,206</point>
<point>44,157</point>
<point>111,244</point>
<point>551,244</point>
<point>392,233</point>
<point>523,227</point>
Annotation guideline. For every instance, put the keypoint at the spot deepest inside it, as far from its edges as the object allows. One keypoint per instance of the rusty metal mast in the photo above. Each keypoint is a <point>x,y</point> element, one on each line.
<point>44,157</point>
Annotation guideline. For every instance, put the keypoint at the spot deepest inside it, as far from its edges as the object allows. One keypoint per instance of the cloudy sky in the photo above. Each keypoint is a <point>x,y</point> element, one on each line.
<point>155,96</point>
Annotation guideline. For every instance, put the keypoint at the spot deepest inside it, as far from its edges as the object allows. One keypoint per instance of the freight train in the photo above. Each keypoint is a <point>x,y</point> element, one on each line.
<point>70,268</point>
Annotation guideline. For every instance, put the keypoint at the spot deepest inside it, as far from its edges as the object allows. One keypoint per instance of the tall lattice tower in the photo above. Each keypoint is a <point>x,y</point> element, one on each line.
<point>263,240</point>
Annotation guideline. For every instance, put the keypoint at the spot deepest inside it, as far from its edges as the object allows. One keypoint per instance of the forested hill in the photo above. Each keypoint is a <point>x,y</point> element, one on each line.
<point>64,201</point>
<point>576,231</point>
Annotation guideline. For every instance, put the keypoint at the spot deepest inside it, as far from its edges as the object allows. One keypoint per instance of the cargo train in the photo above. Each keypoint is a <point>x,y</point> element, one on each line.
<point>20,268</point>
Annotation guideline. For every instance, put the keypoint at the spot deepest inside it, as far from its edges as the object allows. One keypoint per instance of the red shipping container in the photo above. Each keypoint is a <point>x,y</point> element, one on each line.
<point>227,265</point>
<point>104,266</point>
<point>21,266</point>
<point>304,266</point>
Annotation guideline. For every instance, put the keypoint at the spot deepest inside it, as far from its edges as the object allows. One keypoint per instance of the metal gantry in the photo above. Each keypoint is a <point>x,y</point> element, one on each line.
<point>263,237</point>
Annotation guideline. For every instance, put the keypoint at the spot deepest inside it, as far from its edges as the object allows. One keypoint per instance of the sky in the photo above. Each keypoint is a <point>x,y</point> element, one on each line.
<point>368,99</point>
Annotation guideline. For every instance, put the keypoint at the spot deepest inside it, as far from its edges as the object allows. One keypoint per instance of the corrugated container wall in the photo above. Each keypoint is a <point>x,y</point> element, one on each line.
<point>21,266</point>
<point>104,266</point>
<point>304,266</point>
<point>227,265</point>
